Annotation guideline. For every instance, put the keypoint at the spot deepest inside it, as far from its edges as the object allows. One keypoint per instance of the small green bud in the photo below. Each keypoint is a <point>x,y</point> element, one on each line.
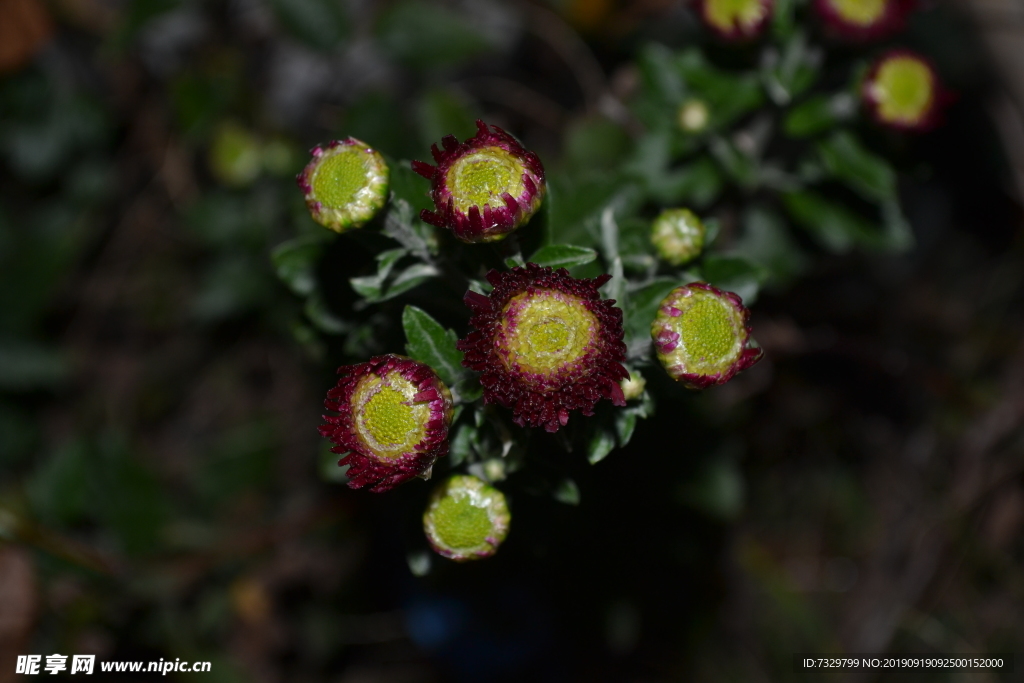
<point>236,155</point>
<point>678,235</point>
<point>633,386</point>
<point>693,116</point>
<point>466,519</point>
<point>345,184</point>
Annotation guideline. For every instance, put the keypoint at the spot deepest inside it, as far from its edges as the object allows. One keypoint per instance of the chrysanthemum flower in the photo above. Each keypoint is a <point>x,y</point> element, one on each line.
<point>678,235</point>
<point>735,19</point>
<point>863,19</point>
<point>483,188</point>
<point>902,91</point>
<point>393,419</point>
<point>545,344</point>
<point>466,519</point>
<point>345,184</point>
<point>701,335</point>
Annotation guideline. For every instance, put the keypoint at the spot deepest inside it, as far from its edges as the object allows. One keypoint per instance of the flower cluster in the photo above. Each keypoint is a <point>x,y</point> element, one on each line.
<point>545,344</point>
<point>483,188</point>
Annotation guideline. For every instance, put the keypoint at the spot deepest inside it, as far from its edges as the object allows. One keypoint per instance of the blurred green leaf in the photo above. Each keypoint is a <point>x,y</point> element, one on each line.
<point>789,72</point>
<point>562,256</point>
<point>849,162</point>
<point>127,497</point>
<point>734,274</point>
<point>567,492</point>
<point>443,112</point>
<point>233,285</point>
<point>835,227</point>
<point>728,96</point>
<point>625,425</point>
<point>322,317</point>
<point>27,367</point>
<point>766,241</point>
<point>59,489</point>
<point>644,304</point>
<point>601,444</point>
<point>429,342</point>
<point>425,36</point>
<point>321,24</point>
<point>595,142</point>
<point>717,490</point>
<point>295,263</point>
<point>817,114</point>
<point>462,446</point>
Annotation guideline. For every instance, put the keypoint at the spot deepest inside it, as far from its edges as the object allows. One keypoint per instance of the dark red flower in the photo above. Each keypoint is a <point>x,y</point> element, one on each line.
<point>393,419</point>
<point>545,344</point>
<point>701,335</point>
<point>902,91</point>
<point>858,20</point>
<point>483,188</point>
<point>735,19</point>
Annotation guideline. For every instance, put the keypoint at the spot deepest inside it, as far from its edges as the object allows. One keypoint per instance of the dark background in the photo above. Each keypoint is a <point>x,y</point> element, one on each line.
<point>163,491</point>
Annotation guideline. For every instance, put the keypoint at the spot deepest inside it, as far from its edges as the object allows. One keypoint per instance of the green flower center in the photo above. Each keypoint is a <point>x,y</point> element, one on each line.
<point>726,15</point>
<point>545,331</point>
<point>903,89</point>
<point>341,175</point>
<point>386,418</point>
<point>708,331</point>
<point>482,177</point>
<point>860,12</point>
<point>459,524</point>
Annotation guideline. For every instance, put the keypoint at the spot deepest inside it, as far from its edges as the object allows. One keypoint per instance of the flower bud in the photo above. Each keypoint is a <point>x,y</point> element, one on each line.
<point>693,116</point>
<point>678,235</point>
<point>736,19</point>
<point>345,184</point>
<point>701,335</point>
<point>392,423</point>
<point>863,19</point>
<point>466,519</point>
<point>484,188</point>
<point>902,91</point>
<point>633,386</point>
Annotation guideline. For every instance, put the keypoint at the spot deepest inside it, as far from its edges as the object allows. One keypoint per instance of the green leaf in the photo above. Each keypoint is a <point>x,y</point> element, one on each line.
<point>411,277</point>
<point>429,342</point>
<point>849,162</point>
<point>462,446</point>
<point>321,24</point>
<point>734,274</point>
<point>625,424</point>
<point>835,227</point>
<point>322,317</point>
<point>27,367</point>
<point>601,444</point>
<point>368,287</point>
<point>410,232</point>
<point>728,96</point>
<point>766,242</point>
<point>698,184</point>
<point>562,256</point>
<point>644,304</point>
<point>443,112</point>
<point>817,114</point>
<point>567,492</point>
<point>426,36</point>
<point>295,263</point>
<point>787,74</point>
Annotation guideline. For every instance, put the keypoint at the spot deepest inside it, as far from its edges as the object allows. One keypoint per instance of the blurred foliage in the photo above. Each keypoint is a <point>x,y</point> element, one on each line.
<point>170,317</point>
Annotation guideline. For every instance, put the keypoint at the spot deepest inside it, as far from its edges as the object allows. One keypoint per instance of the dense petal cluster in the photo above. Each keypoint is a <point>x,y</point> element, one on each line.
<point>483,188</point>
<point>678,235</point>
<point>466,519</point>
<point>902,91</point>
<point>545,344</point>
<point>736,19</point>
<point>701,335</point>
<point>863,19</point>
<point>393,419</point>
<point>345,184</point>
